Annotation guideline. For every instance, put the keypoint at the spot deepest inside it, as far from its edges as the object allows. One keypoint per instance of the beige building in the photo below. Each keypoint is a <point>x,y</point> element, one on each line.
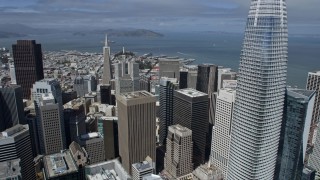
<point>136,127</point>
<point>50,133</point>
<point>94,146</point>
<point>178,158</point>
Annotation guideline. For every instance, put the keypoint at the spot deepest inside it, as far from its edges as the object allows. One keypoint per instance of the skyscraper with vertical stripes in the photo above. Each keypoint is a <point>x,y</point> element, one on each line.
<point>260,92</point>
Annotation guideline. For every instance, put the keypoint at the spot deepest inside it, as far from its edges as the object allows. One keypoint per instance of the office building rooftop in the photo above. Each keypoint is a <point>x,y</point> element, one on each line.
<point>59,164</point>
<point>191,92</point>
<point>109,170</point>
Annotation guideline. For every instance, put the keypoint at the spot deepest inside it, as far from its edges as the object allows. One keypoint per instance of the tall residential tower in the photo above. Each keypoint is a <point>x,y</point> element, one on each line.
<point>260,92</point>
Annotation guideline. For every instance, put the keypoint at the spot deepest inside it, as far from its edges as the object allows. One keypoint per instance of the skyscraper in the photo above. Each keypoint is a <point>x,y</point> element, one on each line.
<point>15,144</point>
<point>137,127</point>
<point>11,105</point>
<point>169,68</point>
<point>190,109</point>
<point>27,57</point>
<point>207,78</point>
<point>178,158</point>
<point>94,145</point>
<point>47,86</point>
<point>167,87</point>
<point>297,119</point>
<point>106,78</point>
<point>105,94</point>
<point>260,92</point>
<point>313,83</point>
<point>50,133</point>
<point>221,133</point>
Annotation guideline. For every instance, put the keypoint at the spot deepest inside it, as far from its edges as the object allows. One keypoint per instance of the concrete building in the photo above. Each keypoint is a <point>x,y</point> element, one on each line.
<point>60,166</point>
<point>169,68</point>
<point>52,86</point>
<point>207,172</point>
<point>167,87</point>
<point>192,78</point>
<point>137,127</point>
<point>12,110</point>
<point>94,145</point>
<point>142,169</point>
<point>10,169</point>
<point>258,109</point>
<point>80,156</point>
<point>313,83</point>
<point>127,77</point>
<point>145,83</point>
<point>223,75</point>
<point>112,170</point>
<point>90,83</point>
<point>190,110</point>
<point>79,86</point>
<point>28,64</point>
<point>49,129</point>
<point>12,72</point>
<point>107,75</point>
<point>108,128</point>
<point>178,157</point>
<point>15,147</point>
<point>221,136</point>
<point>294,139</point>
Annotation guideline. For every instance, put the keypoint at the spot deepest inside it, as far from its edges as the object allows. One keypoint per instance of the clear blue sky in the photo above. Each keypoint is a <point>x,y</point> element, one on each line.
<point>177,15</point>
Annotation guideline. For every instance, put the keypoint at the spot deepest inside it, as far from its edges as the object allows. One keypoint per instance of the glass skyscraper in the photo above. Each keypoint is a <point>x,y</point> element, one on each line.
<point>260,92</point>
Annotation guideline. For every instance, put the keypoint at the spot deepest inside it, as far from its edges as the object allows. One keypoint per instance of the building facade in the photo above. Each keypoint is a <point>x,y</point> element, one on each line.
<point>12,110</point>
<point>221,133</point>
<point>94,146</point>
<point>47,86</point>
<point>15,144</point>
<point>190,109</point>
<point>136,127</point>
<point>167,87</point>
<point>178,157</point>
<point>49,129</point>
<point>260,92</point>
<point>28,64</point>
<point>313,83</point>
<point>297,120</point>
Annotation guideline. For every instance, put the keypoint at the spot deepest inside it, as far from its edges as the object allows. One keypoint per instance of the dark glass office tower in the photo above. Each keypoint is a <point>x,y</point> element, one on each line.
<point>207,79</point>
<point>183,82</point>
<point>105,94</point>
<point>11,105</point>
<point>27,56</point>
<point>190,109</point>
<point>166,90</point>
<point>258,109</point>
<point>294,136</point>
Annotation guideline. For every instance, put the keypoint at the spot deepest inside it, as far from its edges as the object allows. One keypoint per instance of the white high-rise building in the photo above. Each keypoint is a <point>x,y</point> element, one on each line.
<point>258,109</point>
<point>221,132</point>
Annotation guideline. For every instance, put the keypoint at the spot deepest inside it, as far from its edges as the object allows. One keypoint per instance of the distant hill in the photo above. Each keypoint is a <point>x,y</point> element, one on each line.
<point>9,34</point>
<point>21,30</point>
<point>123,33</point>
